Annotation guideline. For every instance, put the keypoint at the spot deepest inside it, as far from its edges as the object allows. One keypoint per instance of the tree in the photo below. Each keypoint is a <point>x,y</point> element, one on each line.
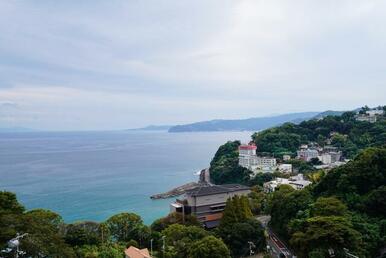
<point>285,204</point>
<point>125,226</point>
<point>224,167</point>
<point>209,247</point>
<point>174,218</point>
<point>323,233</point>
<point>375,202</point>
<point>9,203</point>
<point>179,238</point>
<point>11,212</point>
<point>237,235</point>
<point>45,236</point>
<point>328,206</point>
<point>83,233</point>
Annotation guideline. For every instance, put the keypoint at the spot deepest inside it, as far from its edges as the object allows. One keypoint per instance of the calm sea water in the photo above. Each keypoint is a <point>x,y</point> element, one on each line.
<point>93,175</point>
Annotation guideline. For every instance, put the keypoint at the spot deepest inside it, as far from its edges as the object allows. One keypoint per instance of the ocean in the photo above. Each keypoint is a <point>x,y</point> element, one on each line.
<point>94,175</point>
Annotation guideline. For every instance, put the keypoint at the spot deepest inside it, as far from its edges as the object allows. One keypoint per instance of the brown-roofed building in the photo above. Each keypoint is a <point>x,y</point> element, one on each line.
<point>207,202</point>
<point>133,252</point>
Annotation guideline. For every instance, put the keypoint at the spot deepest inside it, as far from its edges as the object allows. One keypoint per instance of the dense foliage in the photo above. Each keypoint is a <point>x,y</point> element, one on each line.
<point>238,228</point>
<point>224,166</point>
<point>49,236</point>
<point>344,210</point>
<point>342,131</point>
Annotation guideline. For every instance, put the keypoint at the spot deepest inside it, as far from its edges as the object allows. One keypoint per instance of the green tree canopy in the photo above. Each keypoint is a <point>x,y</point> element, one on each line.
<point>209,247</point>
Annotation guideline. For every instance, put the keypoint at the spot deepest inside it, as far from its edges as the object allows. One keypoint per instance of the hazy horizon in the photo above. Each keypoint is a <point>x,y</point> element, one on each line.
<point>95,65</point>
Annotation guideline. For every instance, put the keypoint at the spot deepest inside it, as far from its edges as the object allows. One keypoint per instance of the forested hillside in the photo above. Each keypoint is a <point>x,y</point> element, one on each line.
<point>346,209</point>
<point>343,131</point>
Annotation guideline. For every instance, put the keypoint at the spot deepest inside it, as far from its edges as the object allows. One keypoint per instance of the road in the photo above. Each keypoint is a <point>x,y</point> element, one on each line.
<point>276,246</point>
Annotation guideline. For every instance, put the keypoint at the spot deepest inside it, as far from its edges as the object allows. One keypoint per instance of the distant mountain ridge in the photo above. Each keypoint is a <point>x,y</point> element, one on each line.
<point>153,128</point>
<point>250,124</point>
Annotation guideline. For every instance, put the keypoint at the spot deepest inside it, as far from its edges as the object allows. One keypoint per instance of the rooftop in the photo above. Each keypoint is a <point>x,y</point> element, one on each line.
<point>216,189</point>
<point>247,147</point>
<point>133,252</point>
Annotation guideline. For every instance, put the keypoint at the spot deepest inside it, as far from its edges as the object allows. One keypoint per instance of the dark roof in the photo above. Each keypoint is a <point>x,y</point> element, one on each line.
<point>211,224</point>
<point>215,189</point>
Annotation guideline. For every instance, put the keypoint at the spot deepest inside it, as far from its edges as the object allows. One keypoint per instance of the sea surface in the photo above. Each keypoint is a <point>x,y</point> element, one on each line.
<point>94,175</point>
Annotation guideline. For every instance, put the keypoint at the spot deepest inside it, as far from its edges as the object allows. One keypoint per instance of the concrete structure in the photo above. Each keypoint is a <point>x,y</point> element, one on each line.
<point>375,112</point>
<point>249,160</point>
<point>370,115</point>
<point>208,202</point>
<point>286,157</point>
<point>247,149</point>
<point>366,118</point>
<point>307,154</point>
<point>285,168</point>
<point>133,252</point>
<point>297,182</point>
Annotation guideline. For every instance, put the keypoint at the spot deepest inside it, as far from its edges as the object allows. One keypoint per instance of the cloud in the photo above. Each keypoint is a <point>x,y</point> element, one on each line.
<point>175,61</point>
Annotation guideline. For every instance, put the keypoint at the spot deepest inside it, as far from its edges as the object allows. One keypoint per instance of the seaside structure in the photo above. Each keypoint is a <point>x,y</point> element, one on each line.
<point>207,202</point>
<point>133,252</point>
<point>249,159</point>
<point>297,182</point>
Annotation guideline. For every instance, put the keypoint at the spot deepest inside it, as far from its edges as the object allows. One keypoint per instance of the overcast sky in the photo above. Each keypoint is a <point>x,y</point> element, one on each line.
<point>123,64</point>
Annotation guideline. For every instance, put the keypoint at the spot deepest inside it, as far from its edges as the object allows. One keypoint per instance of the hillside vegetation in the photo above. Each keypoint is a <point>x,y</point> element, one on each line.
<point>343,131</point>
<point>346,209</point>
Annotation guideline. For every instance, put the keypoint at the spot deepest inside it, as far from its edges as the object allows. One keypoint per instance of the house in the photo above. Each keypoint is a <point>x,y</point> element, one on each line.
<point>207,202</point>
<point>297,182</point>
<point>133,252</point>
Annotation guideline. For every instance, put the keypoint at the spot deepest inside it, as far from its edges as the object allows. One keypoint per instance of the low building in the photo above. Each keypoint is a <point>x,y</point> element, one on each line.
<point>297,182</point>
<point>208,202</point>
<point>285,168</point>
<point>133,252</point>
<point>286,157</point>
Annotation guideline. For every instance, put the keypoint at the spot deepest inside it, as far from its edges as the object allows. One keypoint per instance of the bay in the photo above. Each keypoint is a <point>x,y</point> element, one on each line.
<point>94,175</point>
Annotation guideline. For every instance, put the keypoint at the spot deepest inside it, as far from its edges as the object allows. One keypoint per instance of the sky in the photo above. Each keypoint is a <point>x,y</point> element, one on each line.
<point>105,65</point>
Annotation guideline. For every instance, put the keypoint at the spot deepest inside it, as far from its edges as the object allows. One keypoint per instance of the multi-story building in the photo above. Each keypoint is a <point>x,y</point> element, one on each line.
<point>307,154</point>
<point>297,182</point>
<point>248,159</point>
<point>207,202</point>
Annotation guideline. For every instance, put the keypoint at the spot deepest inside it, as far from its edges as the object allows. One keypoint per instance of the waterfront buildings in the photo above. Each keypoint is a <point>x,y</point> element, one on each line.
<point>207,202</point>
<point>297,182</point>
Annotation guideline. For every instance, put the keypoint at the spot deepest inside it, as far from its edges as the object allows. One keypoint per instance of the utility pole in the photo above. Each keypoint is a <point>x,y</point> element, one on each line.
<point>163,246</point>
<point>151,247</point>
